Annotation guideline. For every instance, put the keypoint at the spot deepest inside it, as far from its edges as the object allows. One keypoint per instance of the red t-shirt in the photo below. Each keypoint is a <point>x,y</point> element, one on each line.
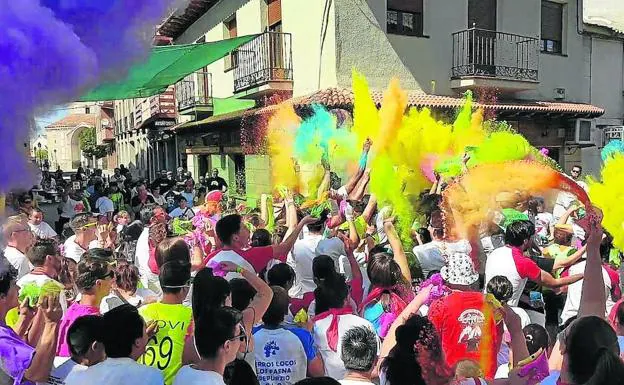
<point>467,329</point>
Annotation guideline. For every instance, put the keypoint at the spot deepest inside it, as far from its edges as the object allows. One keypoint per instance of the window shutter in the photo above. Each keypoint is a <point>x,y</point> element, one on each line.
<point>274,11</point>
<point>415,6</point>
<point>552,20</point>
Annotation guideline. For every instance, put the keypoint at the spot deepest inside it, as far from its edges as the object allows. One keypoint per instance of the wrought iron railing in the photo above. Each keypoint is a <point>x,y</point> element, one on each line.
<point>264,59</point>
<point>195,90</point>
<point>480,52</point>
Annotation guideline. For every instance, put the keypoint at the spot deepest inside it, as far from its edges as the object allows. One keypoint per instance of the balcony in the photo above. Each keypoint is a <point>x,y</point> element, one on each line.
<point>490,59</point>
<point>264,65</point>
<point>194,95</point>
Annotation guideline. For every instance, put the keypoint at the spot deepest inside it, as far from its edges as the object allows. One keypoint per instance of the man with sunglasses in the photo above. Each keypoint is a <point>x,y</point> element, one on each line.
<point>218,337</point>
<point>164,349</point>
<point>84,226</point>
<point>94,277</point>
<point>19,239</point>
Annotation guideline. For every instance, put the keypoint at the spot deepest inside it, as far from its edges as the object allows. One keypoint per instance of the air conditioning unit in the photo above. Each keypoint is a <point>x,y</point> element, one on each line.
<point>559,93</point>
<point>582,132</point>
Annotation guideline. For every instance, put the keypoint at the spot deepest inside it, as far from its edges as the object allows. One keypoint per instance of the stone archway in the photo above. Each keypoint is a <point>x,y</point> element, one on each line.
<point>75,152</point>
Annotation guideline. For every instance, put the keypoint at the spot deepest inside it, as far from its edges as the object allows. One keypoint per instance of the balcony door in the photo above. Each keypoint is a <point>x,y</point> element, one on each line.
<point>482,40</point>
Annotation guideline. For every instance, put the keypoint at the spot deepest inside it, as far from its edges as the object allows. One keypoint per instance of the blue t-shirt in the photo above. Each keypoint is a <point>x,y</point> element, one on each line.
<point>282,354</point>
<point>621,343</point>
<point>552,379</point>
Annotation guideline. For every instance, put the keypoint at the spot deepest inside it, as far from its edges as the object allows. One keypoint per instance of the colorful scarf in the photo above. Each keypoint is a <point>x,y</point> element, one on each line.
<point>397,304</point>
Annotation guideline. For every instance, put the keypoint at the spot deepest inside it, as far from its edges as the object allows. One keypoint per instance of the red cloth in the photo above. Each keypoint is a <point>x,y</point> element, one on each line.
<point>615,280</point>
<point>466,325</point>
<point>296,304</point>
<point>151,262</point>
<point>258,257</point>
<point>527,268</point>
<point>332,330</point>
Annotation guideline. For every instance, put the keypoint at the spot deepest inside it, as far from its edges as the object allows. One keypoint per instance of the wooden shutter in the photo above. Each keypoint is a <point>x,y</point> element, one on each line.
<point>274,11</point>
<point>552,20</point>
<point>414,6</point>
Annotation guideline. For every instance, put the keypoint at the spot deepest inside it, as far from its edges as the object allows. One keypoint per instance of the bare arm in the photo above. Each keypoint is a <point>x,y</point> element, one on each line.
<point>518,342</point>
<point>259,303</point>
<point>284,248</point>
<point>316,368</point>
<point>547,280</point>
<point>410,310</point>
<point>42,362</point>
<point>358,192</point>
<point>593,297</point>
<point>397,249</point>
<point>570,260</point>
<point>356,281</point>
<point>291,215</point>
<point>263,208</point>
<point>370,209</point>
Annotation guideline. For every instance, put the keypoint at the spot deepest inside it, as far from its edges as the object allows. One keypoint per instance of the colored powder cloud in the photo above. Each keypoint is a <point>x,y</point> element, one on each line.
<point>608,195</point>
<point>51,51</point>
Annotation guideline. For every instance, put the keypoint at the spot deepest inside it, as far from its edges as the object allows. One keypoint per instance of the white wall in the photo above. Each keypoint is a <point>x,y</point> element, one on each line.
<point>304,21</point>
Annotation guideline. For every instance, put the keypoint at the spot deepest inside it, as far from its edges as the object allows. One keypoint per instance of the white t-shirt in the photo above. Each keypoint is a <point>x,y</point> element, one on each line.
<point>72,249</point>
<point>431,256</point>
<point>68,209</point>
<point>543,221</point>
<point>148,279</point>
<point>104,205</point>
<point>136,300</point>
<point>353,382</point>
<point>334,367</point>
<point>61,371</point>
<point>282,354</point>
<point>39,280</point>
<point>573,299</point>
<point>189,376</point>
<point>517,269</point>
<point>234,257</point>
<point>300,259</point>
<point>42,230</point>
<point>116,371</point>
<point>334,248</point>
<point>18,260</point>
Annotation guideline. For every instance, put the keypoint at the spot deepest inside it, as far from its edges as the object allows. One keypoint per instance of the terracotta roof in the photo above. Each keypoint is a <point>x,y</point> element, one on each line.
<point>343,98</point>
<point>74,120</point>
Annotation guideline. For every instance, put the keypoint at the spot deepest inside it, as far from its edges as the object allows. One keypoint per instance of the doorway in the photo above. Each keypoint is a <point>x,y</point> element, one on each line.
<point>482,38</point>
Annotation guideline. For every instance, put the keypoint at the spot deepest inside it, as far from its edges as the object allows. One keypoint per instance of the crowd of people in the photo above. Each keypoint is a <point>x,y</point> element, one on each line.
<point>171,282</point>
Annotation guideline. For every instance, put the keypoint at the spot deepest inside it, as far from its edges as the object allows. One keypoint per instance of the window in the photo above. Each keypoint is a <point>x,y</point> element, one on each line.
<point>552,27</point>
<point>231,60</point>
<point>274,12</point>
<point>87,110</point>
<point>405,17</point>
<point>239,173</point>
<point>125,123</point>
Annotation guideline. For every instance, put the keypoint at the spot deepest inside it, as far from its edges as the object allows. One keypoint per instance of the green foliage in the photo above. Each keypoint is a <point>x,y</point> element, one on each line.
<point>41,154</point>
<point>88,144</point>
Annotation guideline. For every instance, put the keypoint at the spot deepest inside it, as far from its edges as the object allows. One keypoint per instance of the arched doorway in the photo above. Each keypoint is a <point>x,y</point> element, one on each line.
<point>75,152</point>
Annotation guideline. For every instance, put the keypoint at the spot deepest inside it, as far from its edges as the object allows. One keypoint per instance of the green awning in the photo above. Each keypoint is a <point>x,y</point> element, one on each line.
<point>227,105</point>
<point>165,66</point>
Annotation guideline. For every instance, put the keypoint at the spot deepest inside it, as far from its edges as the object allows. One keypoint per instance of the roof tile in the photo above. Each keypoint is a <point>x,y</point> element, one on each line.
<point>74,120</point>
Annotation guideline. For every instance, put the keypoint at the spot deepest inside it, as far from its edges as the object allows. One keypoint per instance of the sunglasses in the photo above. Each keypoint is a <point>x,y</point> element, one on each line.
<point>89,225</point>
<point>242,337</point>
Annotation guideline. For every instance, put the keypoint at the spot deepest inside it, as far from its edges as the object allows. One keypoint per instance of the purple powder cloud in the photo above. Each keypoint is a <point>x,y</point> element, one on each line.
<point>52,51</point>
